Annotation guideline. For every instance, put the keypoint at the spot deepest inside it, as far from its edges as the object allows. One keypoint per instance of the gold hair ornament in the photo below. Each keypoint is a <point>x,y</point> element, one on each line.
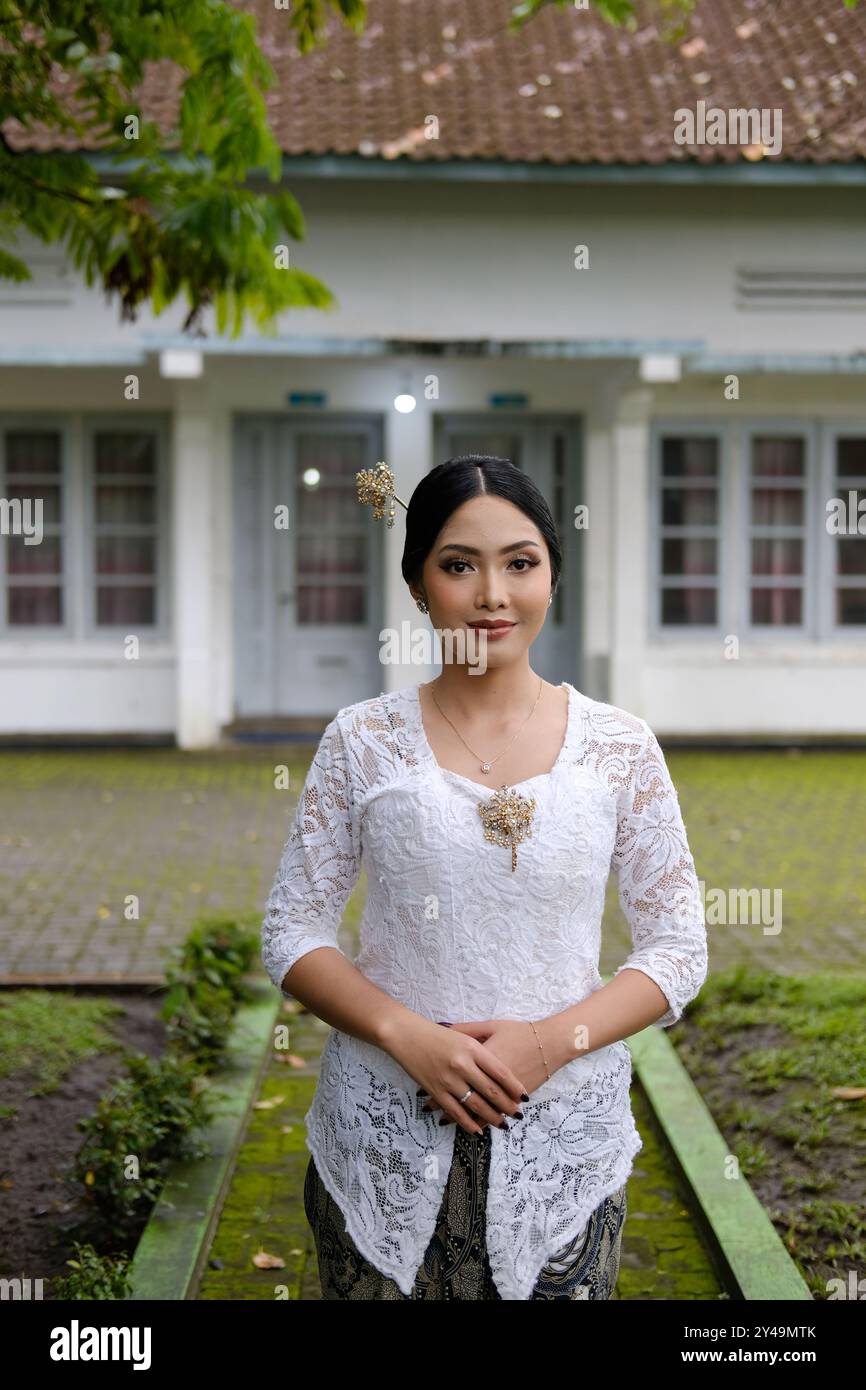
<point>376,489</point>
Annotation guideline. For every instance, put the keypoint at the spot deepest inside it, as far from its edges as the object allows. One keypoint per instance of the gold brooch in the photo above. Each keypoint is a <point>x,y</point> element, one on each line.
<point>507,818</point>
<point>376,486</point>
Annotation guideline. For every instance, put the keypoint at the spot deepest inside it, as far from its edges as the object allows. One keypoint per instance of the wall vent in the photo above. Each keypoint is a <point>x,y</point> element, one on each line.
<point>772,291</point>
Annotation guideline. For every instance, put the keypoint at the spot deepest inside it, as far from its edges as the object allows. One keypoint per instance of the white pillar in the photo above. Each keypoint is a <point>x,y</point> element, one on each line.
<point>197,725</point>
<point>629,537</point>
<point>596,618</point>
<point>409,454</point>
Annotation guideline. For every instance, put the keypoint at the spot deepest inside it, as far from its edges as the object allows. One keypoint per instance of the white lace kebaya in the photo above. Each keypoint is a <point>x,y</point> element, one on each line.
<point>452,933</point>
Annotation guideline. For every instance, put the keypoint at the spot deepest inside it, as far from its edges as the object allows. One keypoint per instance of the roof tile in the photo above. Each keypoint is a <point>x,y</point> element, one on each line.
<point>567,88</point>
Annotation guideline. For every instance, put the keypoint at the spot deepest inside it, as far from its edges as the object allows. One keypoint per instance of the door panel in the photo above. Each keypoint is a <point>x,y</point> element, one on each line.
<point>309,588</point>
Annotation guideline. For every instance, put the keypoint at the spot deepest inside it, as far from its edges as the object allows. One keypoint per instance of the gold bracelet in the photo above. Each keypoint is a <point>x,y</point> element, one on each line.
<point>543,1058</point>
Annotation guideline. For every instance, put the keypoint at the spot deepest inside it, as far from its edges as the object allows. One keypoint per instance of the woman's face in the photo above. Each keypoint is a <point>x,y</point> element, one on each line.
<point>489,562</point>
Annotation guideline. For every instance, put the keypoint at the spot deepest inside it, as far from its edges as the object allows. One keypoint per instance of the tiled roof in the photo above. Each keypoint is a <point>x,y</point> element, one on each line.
<point>567,88</point>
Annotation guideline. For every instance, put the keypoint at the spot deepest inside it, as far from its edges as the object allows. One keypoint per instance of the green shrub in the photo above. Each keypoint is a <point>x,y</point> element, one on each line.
<point>154,1114</point>
<point>93,1276</point>
<point>149,1117</point>
<point>205,984</point>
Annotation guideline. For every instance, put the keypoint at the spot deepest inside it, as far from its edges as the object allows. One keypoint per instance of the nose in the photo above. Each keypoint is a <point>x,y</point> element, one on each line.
<point>492,589</point>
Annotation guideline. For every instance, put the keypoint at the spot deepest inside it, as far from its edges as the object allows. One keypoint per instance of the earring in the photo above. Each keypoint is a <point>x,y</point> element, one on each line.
<point>550,600</point>
<point>422,605</point>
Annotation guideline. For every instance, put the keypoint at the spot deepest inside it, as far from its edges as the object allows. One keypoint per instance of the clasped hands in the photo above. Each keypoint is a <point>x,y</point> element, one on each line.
<point>514,1043</point>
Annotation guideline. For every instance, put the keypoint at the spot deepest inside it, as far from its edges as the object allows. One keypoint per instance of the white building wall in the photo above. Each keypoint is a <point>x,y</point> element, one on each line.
<point>458,260</point>
<point>451,261</point>
<point>687,685</point>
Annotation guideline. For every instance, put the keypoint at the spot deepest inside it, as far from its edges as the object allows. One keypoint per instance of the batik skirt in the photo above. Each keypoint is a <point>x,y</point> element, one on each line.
<point>455,1263</point>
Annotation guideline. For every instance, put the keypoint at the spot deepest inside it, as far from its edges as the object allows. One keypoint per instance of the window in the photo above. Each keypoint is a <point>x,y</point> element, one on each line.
<point>849,549</point>
<point>777,510</point>
<point>125,527</point>
<point>740,542</point>
<point>33,478</point>
<point>100,564</point>
<point>689,515</point>
<point>331,561</point>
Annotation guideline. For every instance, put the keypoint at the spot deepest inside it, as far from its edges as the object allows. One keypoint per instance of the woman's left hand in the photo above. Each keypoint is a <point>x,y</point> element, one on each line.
<point>514,1043</point>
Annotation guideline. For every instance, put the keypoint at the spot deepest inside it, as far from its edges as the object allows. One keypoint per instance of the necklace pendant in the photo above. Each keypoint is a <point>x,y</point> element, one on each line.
<point>485,767</point>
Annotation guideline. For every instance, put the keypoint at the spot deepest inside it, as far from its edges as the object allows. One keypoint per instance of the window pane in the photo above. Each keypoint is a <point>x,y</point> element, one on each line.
<point>689,506</point>
<point>850,555</point>
<point>331,534</point>
<point>127,505</point>
<point>43,558</point>
<point>121,452</point>
<point>32,451</point>
<point>332,506</point>
<point>334,456</point>
<point>343,604</point>
<point>851,458</point>
<point>125,605</point>
<point>851,606</point>
<point>689,556</point>
<point>852,521</point>
<point>332,555</point>
<point>777,607</point>
<point>31,605</point>
<point>689,606</point>
<point>781,556</point>
<point>777,506</point>
<point>30,494</point>
<point>125,555</point>
<point>779,457</point>
<point>697,457</point>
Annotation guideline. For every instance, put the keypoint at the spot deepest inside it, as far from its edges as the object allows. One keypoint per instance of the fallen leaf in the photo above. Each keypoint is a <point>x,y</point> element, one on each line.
<point>268,1104</point>
<point>262,1260</point>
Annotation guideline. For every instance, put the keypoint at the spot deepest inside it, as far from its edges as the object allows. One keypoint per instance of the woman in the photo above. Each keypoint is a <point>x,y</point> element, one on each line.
<point>486,1158</point>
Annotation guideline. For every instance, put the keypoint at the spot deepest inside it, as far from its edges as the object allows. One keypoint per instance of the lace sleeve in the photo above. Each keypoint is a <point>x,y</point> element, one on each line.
<point>658,887</point>
<point>320,863</point>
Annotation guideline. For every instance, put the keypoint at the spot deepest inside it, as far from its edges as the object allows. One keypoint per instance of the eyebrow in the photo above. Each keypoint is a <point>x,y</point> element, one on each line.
<point>470,549</point>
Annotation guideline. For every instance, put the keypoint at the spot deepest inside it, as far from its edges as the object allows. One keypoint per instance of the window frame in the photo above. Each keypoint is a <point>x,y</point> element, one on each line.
<point>831,430</point>
<point>734,569</point>
<point>64,425</point>
<point>803,427</point>
<point>77,528</point>
<point>662,427</point>
<point>120,422</point>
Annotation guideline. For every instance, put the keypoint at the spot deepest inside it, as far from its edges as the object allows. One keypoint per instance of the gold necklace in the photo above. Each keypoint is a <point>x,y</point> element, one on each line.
<point>485,767</point>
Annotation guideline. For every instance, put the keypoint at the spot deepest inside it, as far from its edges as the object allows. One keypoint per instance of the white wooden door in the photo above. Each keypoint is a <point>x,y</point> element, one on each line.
<point>308,574</point>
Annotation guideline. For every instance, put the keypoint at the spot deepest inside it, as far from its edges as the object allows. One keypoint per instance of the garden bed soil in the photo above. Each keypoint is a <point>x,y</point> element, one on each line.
<point>40,1200</point>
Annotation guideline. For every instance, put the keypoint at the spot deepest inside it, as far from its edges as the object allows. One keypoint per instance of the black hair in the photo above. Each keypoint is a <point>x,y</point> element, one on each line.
<point>447,486</point>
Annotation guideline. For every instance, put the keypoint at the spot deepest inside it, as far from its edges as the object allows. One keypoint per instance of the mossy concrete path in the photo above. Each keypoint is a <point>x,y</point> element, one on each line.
<point>663,1255</point>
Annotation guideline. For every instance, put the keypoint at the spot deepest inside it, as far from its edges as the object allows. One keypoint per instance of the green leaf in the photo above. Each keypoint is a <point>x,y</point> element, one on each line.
<point>13,269</point>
